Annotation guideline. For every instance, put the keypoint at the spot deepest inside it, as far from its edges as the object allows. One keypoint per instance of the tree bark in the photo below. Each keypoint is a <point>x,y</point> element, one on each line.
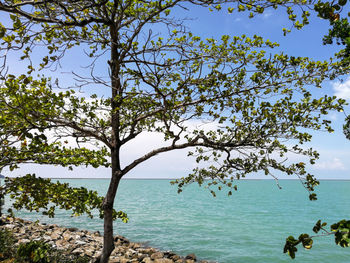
<point>116,101</point>
<point>108,203</point>
<point>108,240</point>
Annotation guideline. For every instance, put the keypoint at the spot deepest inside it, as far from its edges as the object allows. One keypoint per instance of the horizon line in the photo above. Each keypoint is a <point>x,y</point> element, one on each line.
<point>242,179</point>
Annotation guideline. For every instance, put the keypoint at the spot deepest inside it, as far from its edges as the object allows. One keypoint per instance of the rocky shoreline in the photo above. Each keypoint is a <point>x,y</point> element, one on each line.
<point>86,243</point>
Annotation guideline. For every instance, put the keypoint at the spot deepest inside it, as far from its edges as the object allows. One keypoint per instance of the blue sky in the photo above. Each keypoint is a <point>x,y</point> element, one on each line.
<point>334,162</point>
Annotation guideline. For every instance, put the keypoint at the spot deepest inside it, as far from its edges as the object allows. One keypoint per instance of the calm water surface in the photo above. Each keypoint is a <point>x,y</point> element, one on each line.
<point>249,226</point>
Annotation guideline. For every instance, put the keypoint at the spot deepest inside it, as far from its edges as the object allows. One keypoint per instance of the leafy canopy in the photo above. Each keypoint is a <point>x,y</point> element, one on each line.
<point>162,79</point>
<point>160,84</point>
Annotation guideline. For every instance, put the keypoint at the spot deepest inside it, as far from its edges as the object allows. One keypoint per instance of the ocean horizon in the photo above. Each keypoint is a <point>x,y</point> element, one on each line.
<point>169,179</point>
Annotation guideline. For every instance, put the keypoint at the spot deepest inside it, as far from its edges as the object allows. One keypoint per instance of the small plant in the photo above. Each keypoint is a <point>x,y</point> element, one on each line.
<point>41,252</point>
<point>34,252</point>
<point>6,244</point>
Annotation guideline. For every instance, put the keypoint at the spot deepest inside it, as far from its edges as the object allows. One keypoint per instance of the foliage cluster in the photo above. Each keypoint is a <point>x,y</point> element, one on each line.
<point>340,230</point>
<point>7,242</point>
<point>346,127</point>
<point>39,194</point>
<point>339,33</point>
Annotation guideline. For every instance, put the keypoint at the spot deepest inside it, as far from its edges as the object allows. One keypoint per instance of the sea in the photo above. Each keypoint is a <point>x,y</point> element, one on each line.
<point>248,227</point>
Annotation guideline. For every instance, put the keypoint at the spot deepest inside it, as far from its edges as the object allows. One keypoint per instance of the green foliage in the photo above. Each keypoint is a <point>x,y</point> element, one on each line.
<point>340,27</point>
<point>346,127</point>
<point>38,194</point>
<point>27,105</point>
<point>291,243</point>
<point>34,252</point>
<point>38,251</point>
<point>7,242</point>
<point>340,231</point>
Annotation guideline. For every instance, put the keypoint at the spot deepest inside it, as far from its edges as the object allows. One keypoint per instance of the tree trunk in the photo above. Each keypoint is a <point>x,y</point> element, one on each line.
<point>108,240</point>
<point>116,102</point>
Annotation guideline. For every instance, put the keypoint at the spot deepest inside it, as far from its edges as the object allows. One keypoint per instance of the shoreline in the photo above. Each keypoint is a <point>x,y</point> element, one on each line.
<point>72,240</point>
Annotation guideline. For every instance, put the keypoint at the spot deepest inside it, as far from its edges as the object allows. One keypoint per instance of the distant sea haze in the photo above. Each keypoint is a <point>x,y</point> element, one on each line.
<point>249,226</point>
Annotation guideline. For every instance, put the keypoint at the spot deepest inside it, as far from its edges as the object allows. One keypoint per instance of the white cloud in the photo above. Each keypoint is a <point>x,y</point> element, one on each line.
<point>342,89</point>
<point>267,14</point>
<point>334,164</point>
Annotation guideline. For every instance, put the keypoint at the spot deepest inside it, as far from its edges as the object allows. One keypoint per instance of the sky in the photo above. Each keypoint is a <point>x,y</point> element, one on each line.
<point>334,162</point>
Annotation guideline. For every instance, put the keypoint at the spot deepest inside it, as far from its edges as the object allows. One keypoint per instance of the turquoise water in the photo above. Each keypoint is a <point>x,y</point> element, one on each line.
<point>249,226</point>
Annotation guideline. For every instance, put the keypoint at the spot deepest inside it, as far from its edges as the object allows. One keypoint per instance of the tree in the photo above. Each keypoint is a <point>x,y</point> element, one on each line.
<point>159,82</point>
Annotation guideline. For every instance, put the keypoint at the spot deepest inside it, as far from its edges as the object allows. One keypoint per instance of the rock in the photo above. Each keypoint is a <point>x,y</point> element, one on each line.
<point>148,251</point>
<point>10,226</point>
<point>46,238</point>
<point>122,239</point>
<point>97,233</point>
<point>147,260</point>
<point>61,243</point>
<point>79,242</point>
<point>67,236</point>
<point>134,245</point>
<point>137,245</point>
<point>78,251</point>
<point>118,249</point>
<point>123,260</point>
<point>163,260</point>
<point>175,257</point>
<point>191,257</point>
<point>36,235</point>
<point>73,229</point>
<point>141,257</point>
<point>23,241</point>
<point>113,260</point>
<point>96,259</point>
<point>157,255</point>
<point>89,252</point>
<point>52,243</point>
<point>98,239</point>
<point>55,235</point>
<point>169,254</point>
<point>130,253</point>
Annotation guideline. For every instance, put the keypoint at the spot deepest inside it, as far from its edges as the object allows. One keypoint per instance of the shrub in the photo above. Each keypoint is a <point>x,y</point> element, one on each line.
<point>34,252</point>
<point>41,252</point>
<point>7,242</point>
